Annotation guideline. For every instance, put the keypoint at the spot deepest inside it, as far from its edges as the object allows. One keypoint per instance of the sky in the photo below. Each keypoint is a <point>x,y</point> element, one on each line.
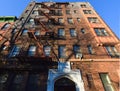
<point>107,9</point>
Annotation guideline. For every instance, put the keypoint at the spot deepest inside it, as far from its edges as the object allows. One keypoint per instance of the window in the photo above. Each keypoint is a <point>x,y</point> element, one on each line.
<point>61,20</point>
<point>90,49</point>
<point>87,11</point>
<point>59,12</point>
<point>70,20</point>
<point>61,51</point>
<point>37,33</point>
<point>73,32</point>
<point>17,83</point>
<point>77,51</point>
<point>76,48</point>
<point>112,51</point>
<point>15,51</point>
<point>34,82</point>
<point>106,82</point>
<point>5,26</point>
<point>14,31</point>
<point>32,50</point>
<point>83,30</point>
<point>61,32</point>
<point>83,6</point>
<point>25,32</point>
<point>3,78</point>
<point>36,12</point>
<point>101,32</point>
<point>47,50</point>
<point>78,19</point>
<point>90,79</point>
<point>75,11</point>
<point>67,11</point>
<point>93,20</point>
<point>31,21</point>
<point>26,11</point>
<point>3,81</point>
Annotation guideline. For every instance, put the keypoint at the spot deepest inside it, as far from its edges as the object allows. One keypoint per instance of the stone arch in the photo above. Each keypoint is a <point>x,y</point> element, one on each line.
<point>64,84</point>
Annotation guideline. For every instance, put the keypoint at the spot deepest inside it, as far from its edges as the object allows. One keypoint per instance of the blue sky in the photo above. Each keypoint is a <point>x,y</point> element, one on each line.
<point>107,9</point>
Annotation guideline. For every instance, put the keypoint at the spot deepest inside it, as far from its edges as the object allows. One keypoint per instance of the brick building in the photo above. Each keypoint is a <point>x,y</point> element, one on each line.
<point>58,46</point>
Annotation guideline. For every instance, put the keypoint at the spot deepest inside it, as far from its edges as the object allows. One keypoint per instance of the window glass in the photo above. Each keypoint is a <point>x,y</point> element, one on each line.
<point>15,51</point>
<point>37,33</point>
<point>25,32</point>
<point>76,48</point>
<point>93,20</point>
<point>67,11</point>
<point>31,21</point>
<point>70,20</point>
<point>5,26</point>
<point>3,81</point>
<point>61,20</point>
<point>83,6</point>
<point>32,51</point>
<point>106,82</point>
<point>101,32</point>
<point>61,51</point>
<point>78,19</point>
<point>35,12</point>
<point>73,32</point>
<point>83,30</point>
<point>3,78</point>
<point>90,49</point>
<point>33,82</point>
<point>87,11</point>
<point>47,50</point>
<point>112,51</point>
<point>17,84</point>
<point>61,32</point>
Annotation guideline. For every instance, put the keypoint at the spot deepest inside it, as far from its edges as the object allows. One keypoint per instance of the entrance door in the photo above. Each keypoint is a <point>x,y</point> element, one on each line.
<point>64,84</point>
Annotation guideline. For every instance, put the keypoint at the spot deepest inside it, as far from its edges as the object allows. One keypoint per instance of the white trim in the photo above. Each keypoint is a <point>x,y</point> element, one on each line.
<point>74,75</point>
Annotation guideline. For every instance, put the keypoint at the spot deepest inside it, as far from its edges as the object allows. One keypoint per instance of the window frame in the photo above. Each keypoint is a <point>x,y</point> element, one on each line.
<point>32,50</point>
<point>62,51</point>
<point>107,83</point>
<point>73,32</point>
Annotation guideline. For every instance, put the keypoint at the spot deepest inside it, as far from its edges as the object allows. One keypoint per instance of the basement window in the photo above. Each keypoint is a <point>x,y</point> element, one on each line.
<point>106,82</point>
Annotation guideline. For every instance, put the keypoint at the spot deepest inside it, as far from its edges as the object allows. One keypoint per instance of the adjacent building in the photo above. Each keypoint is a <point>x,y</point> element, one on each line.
<point>58,46</point>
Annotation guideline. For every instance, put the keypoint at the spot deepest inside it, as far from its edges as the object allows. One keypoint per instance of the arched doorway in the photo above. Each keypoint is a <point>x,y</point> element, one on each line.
<point>64,84</point>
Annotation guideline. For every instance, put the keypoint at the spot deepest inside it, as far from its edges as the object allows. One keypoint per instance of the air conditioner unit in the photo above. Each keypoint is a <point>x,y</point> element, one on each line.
<point>78,55</point>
